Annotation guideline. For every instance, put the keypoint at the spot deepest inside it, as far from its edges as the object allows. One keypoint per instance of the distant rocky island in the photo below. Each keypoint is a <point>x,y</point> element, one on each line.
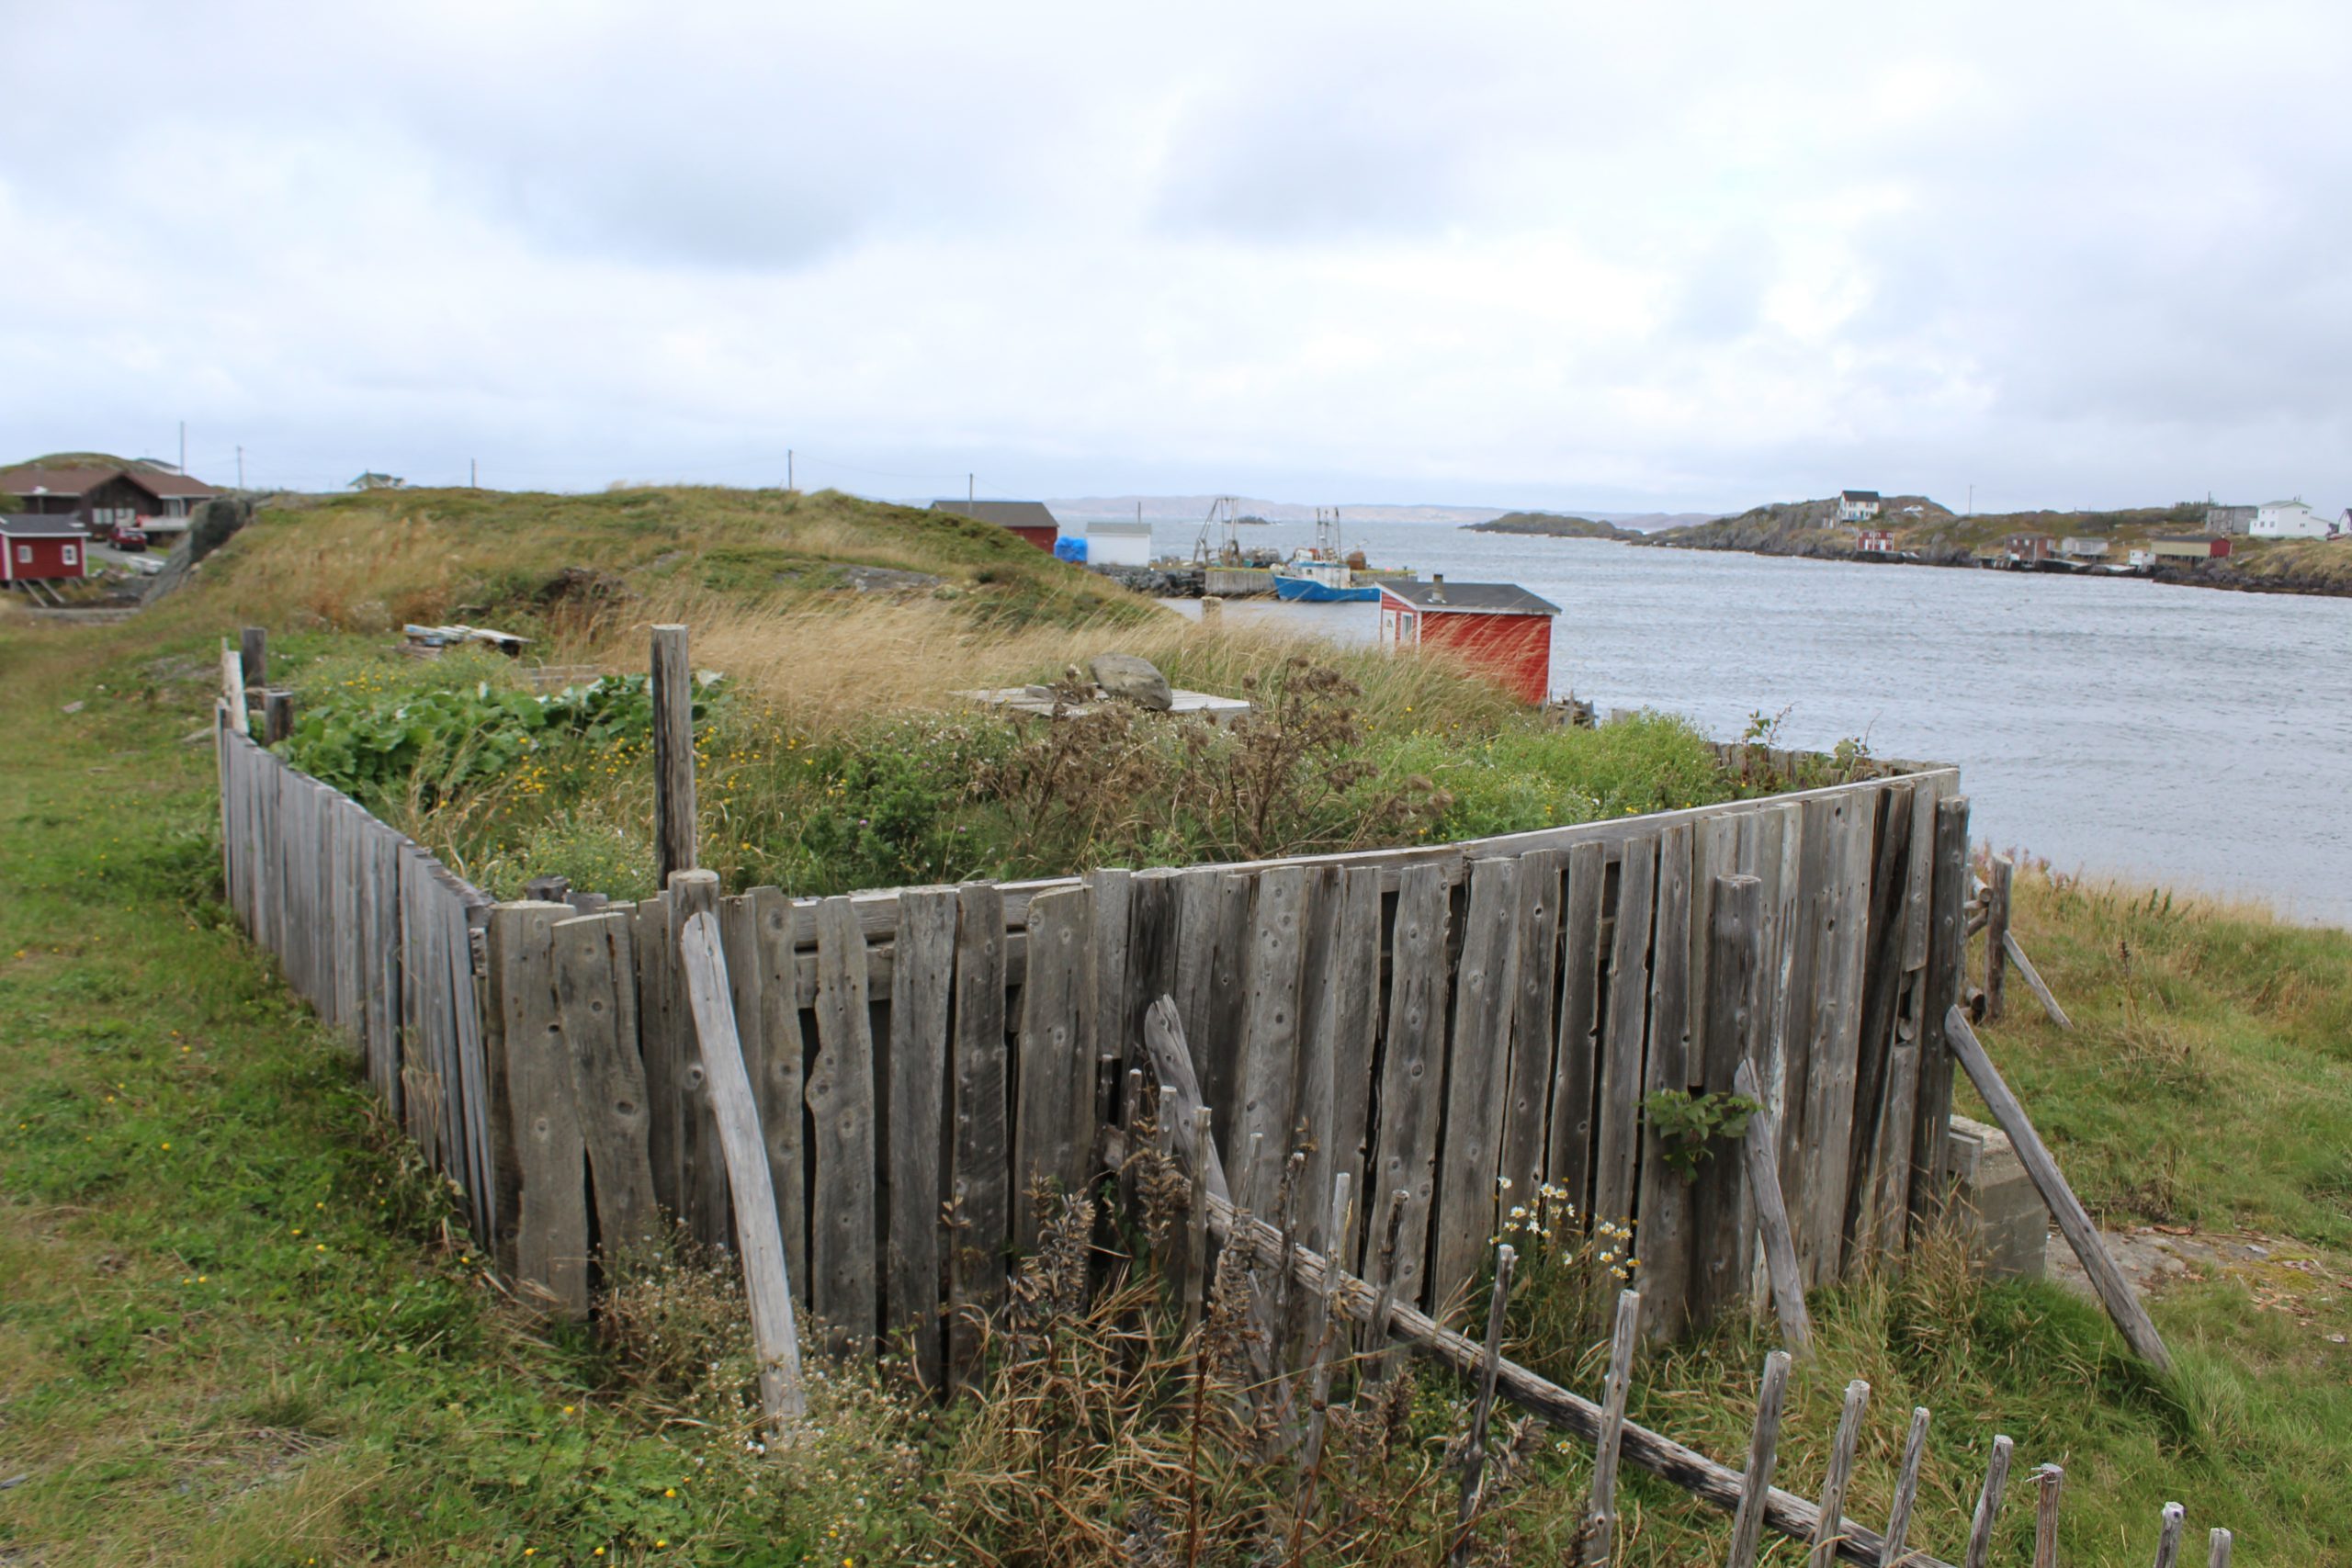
<point>1552,525</point>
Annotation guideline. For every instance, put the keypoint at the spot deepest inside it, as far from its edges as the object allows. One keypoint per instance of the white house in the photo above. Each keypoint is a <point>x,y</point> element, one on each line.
<point>2289,520</point>
<point>1118,543</point>
<point>1857,505</point>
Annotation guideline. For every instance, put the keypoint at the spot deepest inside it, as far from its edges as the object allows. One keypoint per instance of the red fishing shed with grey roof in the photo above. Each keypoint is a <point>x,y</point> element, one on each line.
<point>44,549</point>
<point>1497,629</point>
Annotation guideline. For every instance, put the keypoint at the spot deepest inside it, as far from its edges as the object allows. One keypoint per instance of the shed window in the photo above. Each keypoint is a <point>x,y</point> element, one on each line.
<point>70,556</point>
<point>25,553</point>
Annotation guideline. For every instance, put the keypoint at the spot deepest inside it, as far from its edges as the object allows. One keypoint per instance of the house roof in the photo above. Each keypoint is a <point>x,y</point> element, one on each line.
<point>80,479</point>
<point>1857,495</point>
<point>1008,513</point>
<point>23,528</point>
<point>1127,530</point>
<point>1482,598</point>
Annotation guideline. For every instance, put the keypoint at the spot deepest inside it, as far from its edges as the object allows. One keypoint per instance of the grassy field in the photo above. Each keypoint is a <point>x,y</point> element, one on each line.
<point>237,1325</point>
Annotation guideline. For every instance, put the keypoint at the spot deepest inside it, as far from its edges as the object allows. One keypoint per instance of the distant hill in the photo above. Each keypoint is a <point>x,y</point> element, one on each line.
<point>1800,527</point>
<point>1552,525</point>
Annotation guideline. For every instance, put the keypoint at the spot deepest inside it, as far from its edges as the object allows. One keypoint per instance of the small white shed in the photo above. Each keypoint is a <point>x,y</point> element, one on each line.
<point>1118,543</point>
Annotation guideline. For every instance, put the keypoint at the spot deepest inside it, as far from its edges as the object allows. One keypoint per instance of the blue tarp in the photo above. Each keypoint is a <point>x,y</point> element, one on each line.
<point>1070,550</point>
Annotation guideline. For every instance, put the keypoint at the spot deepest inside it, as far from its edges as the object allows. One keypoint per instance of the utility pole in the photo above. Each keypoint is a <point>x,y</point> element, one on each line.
<point>971,489</point>
<point>182,447</point>
<point>241,468</point>
<point>1972,500</point>
<point>474,473</point>
<point>787,470</point>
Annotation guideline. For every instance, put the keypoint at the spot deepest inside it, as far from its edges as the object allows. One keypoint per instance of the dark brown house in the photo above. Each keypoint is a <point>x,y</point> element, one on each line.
<point>101,492</point>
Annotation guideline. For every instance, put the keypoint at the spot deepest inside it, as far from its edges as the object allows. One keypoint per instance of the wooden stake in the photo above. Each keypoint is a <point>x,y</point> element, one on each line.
<point>1760,1144</point>
<point>253,660</point>
<point>1474,1464</point>
<point>1196,1226</point>
<point>1375,1338</point>
<point>2033,982</point>
<point>1756,1482</point>
<point>1830,1531</point>
<point>1327,1329</point>
<point>232,689</point>
<point>1996,938</point>
<point>2053,1481</point>
<point>758,1228</point>
<point>671,685</point>
<point>276,716</point>
<point>2221,1550</point>
<point>2122,1301</point>
<point>1601,1517</point>
<point>2168,1543</point>
<point>1906,1491</point>
<point>1988,1505</point>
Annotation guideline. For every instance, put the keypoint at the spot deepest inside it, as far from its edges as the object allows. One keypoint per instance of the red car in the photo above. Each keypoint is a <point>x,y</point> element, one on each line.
<point>130,536</point>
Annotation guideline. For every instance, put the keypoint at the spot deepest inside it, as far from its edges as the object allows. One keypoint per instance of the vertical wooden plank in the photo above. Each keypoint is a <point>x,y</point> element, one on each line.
<point>739,946</point>
<point>1882,989</point>
<point>1533,1027</point>
<point>1948,946</point>
<point>2000,875</point>
<point>465,1018</point>
<point>415,1066</point>
<point>1836,1042</point>
<point>595,988</point>
<point>1313,1113</point>
<point>979,1182</point>
<point>1618,1136</point>
<point>843,1291</point>
<point>550,1241</point>
<point>1266,1067</point>
<point>1808,954</point>
<point>1720,1230</point>
<point>1576,1057</point>
<point>395,988</point>
<point>1154,912</point>
<point>1340,1026</point>
<point>1663,1203</point>
<point>777,1077</point>
<point>671,685</point>
<point>1054,1106</point>
<point>1113,913</point>
<point>1217,1051</point>
<point>1891,1173</point>
<point>649,944</point>
<point>1412,1074</point>
<point>923,983</point>
<point>703,1196</point>
<point>1476,1078</point>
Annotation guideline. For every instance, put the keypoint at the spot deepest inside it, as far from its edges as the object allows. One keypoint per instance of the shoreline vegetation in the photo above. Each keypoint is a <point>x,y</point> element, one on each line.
<point>241,1325</point>
<point>1926,534</point>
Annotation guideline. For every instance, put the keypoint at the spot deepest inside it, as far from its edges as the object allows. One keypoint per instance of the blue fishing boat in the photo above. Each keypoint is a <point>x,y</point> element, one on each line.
<point>1306,582</point>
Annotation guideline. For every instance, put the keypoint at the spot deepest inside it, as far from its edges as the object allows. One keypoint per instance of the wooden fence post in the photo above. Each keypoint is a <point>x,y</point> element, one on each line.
<point>1829,1529</point>
<point>2074,1223</point>
<point>1988,1505</point>
<point>1906,1491</point>
<point>1601,1517</point>
<point>671,685</point>
<point>1997,937</point>
<point>1756,1481</point>
<point>1473,1462</point>
<point>1773,1218</point>
<point>536,1139</point>
<point>252,660</point>
<point>2053,1481</point>
<point>1947,954</point>
<point>232,689</point>
<point>276,716</point>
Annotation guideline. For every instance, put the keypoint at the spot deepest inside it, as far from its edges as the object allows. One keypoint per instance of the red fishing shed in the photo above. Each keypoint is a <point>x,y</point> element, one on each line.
<point>1029,519</point>
<point>42,549</point>
<point>1499,628</point>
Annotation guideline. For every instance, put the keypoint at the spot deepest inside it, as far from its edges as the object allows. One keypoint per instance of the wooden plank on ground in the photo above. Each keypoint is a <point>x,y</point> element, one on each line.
<point>1486,988</point>
<point>551,1243</point>
<point>922,991</point>
<point>980,1182</point>
<point>777,1081</point>
<point>1576,1056</point>
<point>1617,1136</point>
<point>844,1293</point>
<point>1412,1074</point>
<point>1266,1066</point>
<point>1532,1026</point>
<point>595,987</point>
<point>1052,1138</point>
<point>1662,1206</point>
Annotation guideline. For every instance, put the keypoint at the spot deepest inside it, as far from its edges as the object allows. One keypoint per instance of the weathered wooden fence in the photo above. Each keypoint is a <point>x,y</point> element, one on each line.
<point>1461,1023</point>
<point>1440,1020</point>
<point>378,937</point>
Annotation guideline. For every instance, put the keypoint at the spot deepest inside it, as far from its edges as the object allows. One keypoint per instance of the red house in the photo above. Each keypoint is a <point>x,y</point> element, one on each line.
<point>1499,628</point>
<point>1027,518</point>
<point>42,549</point>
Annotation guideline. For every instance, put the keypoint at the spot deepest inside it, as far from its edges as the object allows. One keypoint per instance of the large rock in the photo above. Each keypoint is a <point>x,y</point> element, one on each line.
<point>1136,680</point>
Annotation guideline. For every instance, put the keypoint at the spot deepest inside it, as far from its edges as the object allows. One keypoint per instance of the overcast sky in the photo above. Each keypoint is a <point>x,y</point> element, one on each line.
<point>1687,256</point>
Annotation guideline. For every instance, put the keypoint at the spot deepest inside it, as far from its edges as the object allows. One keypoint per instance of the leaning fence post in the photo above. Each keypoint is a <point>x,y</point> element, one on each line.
<point>1601,1517</point>
<point>1829,1529</point>
<point>1756,1482</point>
<point>1473,1462</point>
<point>672,687</point>
<point>1760,1147</point>
<point>1988,1505</point>
<point>757,1224</point>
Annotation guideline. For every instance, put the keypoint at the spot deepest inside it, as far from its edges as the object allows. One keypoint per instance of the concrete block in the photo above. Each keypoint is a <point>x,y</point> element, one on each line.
<point>2012,1224</point>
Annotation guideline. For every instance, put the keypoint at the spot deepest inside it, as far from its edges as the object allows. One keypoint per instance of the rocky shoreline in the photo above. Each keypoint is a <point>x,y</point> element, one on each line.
<point>2217,574</point>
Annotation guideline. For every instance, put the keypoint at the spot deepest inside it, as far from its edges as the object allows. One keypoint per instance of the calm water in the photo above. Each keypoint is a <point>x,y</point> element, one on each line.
<point>2179,736</point>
